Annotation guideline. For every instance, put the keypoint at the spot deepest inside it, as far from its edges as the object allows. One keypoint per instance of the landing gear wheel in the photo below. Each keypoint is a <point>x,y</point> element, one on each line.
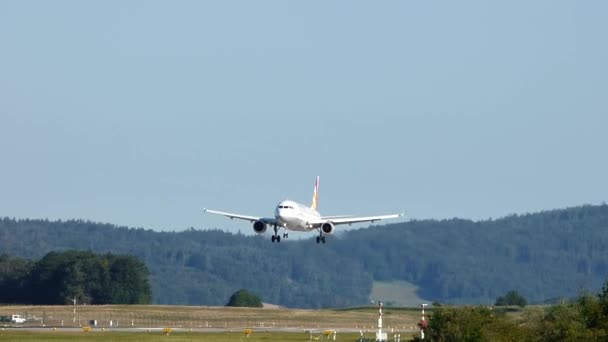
<point>276,234</point>
<point>318,239</point>
<point>323,239</point>
<point>285,235</point>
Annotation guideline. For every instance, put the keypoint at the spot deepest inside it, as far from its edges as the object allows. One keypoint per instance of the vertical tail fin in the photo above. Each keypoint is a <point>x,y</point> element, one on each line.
<point>315,195</point>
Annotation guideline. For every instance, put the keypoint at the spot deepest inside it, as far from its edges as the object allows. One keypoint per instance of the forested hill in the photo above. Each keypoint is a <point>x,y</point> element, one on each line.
<point>544,255</point>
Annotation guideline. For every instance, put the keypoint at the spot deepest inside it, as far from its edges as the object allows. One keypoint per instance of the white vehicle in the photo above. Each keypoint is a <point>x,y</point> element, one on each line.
<point>17,319</point>
<point>291,215</point>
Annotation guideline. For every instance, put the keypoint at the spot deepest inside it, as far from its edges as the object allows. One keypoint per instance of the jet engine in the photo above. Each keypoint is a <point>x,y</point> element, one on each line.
<point>259,227</point>
<point>327,227</point>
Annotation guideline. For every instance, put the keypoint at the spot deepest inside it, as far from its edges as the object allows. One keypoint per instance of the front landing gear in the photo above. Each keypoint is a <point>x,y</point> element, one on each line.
<point>276,237</point>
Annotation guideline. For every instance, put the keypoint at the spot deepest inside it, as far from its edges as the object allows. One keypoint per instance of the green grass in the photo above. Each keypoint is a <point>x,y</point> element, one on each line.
<point>174,337</point>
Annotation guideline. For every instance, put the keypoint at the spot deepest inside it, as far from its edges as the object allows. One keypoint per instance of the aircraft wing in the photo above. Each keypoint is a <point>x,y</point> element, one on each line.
<point>269,220</point>
<point>335,217</point>
<point>351,220</point>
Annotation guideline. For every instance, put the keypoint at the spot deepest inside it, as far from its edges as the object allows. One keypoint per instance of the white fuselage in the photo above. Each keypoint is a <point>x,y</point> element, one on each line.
<point>295,216</point>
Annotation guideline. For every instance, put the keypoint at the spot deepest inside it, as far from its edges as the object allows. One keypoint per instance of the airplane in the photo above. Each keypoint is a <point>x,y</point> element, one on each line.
<point>291,215</point>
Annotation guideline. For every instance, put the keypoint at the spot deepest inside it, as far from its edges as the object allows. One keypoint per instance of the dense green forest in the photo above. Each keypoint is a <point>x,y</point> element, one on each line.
<point>543,256</point>
<point>60,277</point>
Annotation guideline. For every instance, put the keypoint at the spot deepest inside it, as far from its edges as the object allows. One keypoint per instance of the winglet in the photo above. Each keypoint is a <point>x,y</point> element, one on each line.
<point>315,195</point>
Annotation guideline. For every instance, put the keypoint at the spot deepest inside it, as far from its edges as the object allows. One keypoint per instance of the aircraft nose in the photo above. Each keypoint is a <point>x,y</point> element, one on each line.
<point>283,212</point>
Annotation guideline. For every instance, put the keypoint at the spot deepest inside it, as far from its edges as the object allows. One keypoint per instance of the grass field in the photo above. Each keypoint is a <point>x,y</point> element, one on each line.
<point>176,337</point>
<point>307,324</point>
<point>143,316</point>
<point>398,293</point>
<point>182,336</point>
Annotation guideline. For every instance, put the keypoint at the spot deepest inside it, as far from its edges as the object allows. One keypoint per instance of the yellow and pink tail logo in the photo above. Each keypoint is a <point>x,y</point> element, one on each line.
<point>315,195</point>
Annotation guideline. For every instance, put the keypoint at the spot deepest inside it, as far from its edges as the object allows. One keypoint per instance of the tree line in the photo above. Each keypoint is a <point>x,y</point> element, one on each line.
<point>61,277</point>
<point>544,256</point>
<point>584,318</point>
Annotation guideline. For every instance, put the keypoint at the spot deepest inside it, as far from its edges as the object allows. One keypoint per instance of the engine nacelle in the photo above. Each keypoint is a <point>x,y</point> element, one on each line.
<point>259,227</point>
<point>327,228</point>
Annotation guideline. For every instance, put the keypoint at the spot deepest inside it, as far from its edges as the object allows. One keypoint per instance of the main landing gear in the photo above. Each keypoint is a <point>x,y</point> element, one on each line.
<point>276,237</point>
<point>321,237</point>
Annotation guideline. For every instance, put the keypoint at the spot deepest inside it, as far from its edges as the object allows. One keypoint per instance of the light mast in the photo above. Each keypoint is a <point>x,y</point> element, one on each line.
<point>380,336</point>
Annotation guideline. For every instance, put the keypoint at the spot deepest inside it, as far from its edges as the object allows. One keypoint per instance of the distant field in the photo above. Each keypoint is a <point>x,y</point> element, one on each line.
<point>398,293</point>
<point>186,317</point>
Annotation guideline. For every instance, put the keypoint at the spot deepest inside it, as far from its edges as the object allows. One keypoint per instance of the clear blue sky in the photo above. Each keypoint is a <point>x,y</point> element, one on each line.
<point>141,113</point>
